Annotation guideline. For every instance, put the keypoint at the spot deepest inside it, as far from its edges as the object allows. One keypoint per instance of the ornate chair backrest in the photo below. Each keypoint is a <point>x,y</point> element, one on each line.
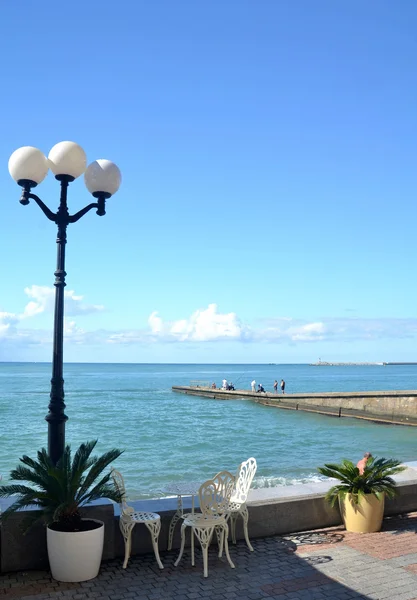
<point>215,494</point>
<point>119,482</point>
<point>244,476</point>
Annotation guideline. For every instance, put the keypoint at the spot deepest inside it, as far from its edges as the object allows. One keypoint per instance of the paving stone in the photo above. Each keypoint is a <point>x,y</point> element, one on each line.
<point>400,561</point>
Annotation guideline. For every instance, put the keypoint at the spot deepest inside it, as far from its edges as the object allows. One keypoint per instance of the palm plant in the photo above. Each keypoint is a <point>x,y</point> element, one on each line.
<point>60,490</point>
<point>376,479</point>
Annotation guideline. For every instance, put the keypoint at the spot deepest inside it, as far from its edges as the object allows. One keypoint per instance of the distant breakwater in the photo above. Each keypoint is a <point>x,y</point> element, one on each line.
<point>393,407</point>
<point>321,363</point>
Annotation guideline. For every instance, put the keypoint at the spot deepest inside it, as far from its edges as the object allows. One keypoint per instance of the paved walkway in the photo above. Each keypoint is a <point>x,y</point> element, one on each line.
<point>327,564</point>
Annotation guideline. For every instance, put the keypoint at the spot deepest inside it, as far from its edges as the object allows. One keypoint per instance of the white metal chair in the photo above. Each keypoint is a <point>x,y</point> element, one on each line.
<point>214,497</point>
<point>237,505</point>
<point>129,518</point>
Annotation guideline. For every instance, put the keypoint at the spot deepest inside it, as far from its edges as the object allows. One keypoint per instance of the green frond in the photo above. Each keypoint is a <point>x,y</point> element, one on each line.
<point>6,491</point>
<point>81,463</point>
<point>103,489</point>
<point>107,491</point>
<point>36,466</point>
<point>344,471</point>
<point>83,498</point>
<point>334,493</point>
<point>59,490</point>
<point>82,455</point>
<point>64,462</point>
<point>20,504</point>
<point>100,463</point>
<point>44,460</point>
<point>21,473</point>
<point>376,478</point>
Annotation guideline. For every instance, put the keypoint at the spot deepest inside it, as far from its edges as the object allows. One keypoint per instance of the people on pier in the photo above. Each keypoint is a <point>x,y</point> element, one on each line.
<point>231,387</point>
<point>260,388</point>
<point>224,384</point>
<point>253,386</point>
<point>282,386</point>
<point>362,463</point>
<point>213,385</point>
<point>275,386</point>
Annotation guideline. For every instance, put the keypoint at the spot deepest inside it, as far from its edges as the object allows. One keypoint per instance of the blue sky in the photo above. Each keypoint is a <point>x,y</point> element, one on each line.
<point>268,205</point>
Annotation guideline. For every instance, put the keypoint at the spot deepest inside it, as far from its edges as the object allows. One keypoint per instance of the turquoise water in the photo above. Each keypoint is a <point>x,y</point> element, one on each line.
<point>168,436</point>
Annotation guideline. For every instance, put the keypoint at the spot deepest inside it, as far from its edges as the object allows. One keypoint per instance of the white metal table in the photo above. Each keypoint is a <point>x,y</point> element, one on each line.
<point>180,489</point>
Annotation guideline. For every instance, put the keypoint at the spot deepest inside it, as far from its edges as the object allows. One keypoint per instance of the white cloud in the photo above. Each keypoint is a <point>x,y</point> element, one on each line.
<point>135,336</point>
<point>4,330</point>
<point>204,325</point>
<point>13,334</point>
<point>342,329</point>
<point>7,318</point>
<point>155,323</point>
<point>71,328</point>
<point>8,322</point>
<point>307,333</point>
<point>44,301</point>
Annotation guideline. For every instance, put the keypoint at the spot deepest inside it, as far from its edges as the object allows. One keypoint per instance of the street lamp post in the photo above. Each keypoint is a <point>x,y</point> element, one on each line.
<point>29,166</point>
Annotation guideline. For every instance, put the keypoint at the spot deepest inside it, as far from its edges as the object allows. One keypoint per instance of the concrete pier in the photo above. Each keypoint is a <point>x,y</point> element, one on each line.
<point>393,407</point>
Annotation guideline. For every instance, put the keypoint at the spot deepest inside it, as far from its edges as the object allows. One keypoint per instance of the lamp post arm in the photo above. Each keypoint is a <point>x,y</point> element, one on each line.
<point>51,216</point>
<point>82,212</point>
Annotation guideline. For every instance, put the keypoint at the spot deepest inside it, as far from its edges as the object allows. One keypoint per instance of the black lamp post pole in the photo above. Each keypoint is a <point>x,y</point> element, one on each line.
<point>56,416</point>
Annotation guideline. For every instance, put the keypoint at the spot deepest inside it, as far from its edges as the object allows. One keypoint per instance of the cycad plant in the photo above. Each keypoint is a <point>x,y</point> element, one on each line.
<point>376,479</point>
<point>59,491</point>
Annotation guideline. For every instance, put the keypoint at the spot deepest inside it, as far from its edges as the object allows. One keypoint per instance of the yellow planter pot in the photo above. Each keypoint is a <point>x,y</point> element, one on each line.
<point>365,517</point>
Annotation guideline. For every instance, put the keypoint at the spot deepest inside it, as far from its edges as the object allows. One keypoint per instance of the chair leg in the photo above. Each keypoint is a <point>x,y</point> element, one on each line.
<point>192,548</point>
<point>172,525</point>
<point>226,545</point>
<point>220,539</point>
<point>220,536</point>
<point>233,519</point>
<point>174,521</point>
<point>128,546</point>
<point>183,526</point>
<point>155,528</point>
<point>126,529</point>
<point>204,535</point>
<point>245,517</point>
<point>205,559</point>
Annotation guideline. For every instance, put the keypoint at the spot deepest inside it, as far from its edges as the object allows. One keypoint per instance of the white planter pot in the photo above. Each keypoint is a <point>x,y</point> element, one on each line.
<point>75,556</point>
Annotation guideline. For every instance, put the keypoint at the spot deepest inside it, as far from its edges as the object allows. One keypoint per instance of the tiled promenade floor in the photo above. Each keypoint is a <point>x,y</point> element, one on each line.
<point>328,564</point>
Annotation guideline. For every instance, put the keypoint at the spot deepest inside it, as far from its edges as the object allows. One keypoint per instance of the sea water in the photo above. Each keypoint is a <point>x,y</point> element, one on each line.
<point>168,436</point>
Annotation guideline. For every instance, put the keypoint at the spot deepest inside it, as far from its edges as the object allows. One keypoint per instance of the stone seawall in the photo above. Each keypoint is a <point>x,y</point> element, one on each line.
<point>395,407</point>
<point>272,511</point>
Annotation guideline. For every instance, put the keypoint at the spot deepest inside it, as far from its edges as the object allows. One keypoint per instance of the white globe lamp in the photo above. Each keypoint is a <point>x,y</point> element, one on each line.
<point>102,178</point>
<point>28,166</point>
<point>67,159</point>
